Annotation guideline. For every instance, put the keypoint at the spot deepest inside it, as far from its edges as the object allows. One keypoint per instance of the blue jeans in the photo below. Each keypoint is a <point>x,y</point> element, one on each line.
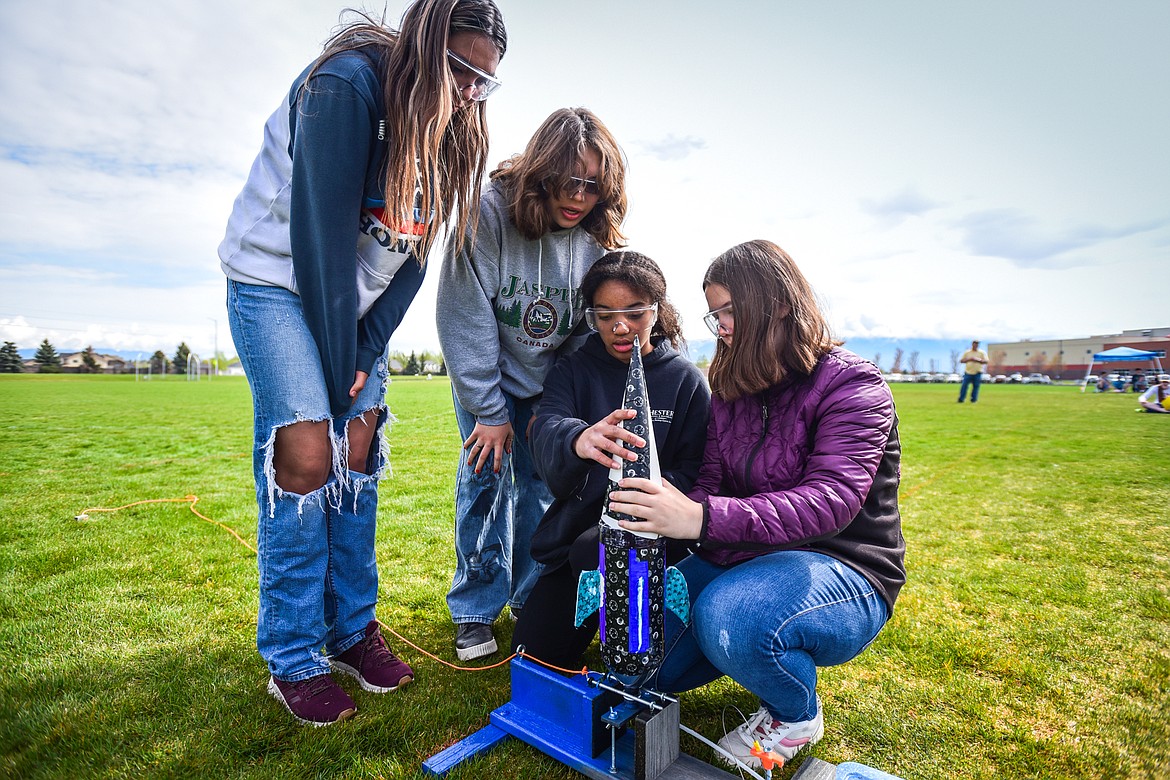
<point>971,380</point>
<point>768,623</point>
<point>495,517</point>
<point>318,576</point>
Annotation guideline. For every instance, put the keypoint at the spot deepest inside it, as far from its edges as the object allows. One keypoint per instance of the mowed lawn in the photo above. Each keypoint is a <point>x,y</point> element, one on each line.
<point>1032,640</point>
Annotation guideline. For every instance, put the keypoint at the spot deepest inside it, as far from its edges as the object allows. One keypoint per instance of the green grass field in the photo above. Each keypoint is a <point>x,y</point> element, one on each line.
<point>1031,641</point>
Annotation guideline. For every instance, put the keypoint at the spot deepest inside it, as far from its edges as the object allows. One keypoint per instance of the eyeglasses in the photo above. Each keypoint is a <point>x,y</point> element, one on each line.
<point>636,319</point>
<point>713,318</point>
<point>462,70</point>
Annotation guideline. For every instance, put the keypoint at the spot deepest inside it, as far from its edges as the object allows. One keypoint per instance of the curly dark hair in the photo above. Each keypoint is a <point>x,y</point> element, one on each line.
<point>638,272</point>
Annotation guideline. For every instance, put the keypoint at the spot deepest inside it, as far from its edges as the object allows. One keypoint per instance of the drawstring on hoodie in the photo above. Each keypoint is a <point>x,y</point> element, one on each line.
<point>540,270</point>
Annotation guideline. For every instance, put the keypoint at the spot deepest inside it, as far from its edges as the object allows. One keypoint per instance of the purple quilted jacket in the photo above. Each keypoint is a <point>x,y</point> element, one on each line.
<point>812,463</point>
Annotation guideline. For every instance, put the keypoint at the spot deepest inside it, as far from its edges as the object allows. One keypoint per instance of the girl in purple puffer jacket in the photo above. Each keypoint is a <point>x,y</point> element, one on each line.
<point>799,553</point>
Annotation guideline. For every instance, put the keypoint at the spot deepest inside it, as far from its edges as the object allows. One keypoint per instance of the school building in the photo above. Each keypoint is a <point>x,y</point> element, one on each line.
<point>1069,358</point>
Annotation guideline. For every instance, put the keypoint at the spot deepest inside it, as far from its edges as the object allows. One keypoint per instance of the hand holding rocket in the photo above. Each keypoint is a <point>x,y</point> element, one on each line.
<point>632,584</point>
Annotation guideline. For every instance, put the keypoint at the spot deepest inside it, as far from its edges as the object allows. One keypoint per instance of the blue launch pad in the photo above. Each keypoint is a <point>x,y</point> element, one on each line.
<point>586,728</point>
<point>570,719</point>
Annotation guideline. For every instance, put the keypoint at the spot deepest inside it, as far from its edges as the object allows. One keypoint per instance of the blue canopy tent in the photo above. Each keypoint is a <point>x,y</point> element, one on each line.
<point>1122,354</point>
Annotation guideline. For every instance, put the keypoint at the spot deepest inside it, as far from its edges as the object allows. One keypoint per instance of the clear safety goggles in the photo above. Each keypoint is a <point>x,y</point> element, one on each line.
<point>482,85</point>
<point>636,319</point>
<point>715,317</point>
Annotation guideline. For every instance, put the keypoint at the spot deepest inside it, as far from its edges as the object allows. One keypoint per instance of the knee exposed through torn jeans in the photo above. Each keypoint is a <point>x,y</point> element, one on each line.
<point>318,576</point>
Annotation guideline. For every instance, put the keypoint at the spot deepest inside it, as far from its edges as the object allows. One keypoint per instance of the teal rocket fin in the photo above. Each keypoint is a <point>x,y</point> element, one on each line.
<point>588,595</point>
<point>678,599</point>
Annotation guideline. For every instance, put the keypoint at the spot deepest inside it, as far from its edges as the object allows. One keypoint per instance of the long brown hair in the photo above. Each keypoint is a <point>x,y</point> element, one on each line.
<point>640,273</point>
<point>434,149</point>
<point>551,157</point>
<point>779,329</point>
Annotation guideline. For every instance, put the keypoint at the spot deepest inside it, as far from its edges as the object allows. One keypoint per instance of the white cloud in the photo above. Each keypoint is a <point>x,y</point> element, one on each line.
<point>937,170</point>
<point>1018,237</point>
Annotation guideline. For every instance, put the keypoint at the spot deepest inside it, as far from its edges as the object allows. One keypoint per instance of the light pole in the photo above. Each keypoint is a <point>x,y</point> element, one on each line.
<point>215,353</point>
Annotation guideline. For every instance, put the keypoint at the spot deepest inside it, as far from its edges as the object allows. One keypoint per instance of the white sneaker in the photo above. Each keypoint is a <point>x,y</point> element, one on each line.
<point>782,738</point>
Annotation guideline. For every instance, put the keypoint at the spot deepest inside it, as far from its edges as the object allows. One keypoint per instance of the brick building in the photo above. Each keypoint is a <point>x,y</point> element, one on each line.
<point>1069,358</point>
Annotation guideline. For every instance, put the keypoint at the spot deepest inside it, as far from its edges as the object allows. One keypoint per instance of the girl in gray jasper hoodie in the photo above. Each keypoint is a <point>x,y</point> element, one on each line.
<point>508,304</point>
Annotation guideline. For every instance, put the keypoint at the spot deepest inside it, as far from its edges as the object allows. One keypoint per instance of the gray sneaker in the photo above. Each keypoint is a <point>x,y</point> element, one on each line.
<point>474,640</point>
<point>783,738</point>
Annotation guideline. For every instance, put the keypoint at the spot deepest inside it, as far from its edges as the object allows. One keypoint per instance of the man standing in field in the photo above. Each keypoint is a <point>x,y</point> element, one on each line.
<point>974,359</point>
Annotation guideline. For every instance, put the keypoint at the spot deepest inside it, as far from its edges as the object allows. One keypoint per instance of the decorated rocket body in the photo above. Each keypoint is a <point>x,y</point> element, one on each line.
<point>632,584</point>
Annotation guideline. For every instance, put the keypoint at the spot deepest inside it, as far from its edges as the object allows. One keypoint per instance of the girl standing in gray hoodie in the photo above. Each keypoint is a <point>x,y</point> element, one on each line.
<point>509,302</point>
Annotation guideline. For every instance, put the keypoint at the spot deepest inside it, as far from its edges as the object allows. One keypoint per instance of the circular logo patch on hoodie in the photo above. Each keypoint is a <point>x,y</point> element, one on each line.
<point>540,319</point>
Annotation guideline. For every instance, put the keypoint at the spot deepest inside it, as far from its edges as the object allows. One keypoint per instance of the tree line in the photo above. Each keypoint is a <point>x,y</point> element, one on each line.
<point>48,361</point>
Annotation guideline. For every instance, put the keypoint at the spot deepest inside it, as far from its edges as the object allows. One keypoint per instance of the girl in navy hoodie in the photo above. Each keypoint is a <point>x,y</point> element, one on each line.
<point>577,437</point>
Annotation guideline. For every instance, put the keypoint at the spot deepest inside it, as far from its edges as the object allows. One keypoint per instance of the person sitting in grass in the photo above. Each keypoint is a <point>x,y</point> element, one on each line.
<point>1157,398</point>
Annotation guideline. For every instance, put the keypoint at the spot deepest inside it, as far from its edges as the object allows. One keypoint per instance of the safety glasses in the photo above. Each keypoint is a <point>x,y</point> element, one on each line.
<point>467,76</point>
<point>714,317</point>
<point>636,319</point>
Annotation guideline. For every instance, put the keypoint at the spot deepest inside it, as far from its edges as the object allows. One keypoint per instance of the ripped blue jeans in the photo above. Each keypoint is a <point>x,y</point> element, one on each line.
<point>318,576</point>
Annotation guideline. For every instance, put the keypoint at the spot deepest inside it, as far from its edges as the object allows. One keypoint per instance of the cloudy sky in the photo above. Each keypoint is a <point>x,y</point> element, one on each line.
<point>991,170</point>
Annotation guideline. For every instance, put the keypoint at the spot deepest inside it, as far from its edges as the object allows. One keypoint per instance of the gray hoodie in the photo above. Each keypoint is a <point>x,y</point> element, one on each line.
<point>507,308</point>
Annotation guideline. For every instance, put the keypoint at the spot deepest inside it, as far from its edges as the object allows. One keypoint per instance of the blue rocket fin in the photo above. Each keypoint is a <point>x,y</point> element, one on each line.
<point>678,598</point>
<point>589,595</point>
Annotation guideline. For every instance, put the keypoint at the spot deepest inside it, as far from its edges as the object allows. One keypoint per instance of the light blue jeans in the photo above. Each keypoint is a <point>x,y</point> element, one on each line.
<point>768,623</point>
<point>495,517</point>
<point>318,576</point>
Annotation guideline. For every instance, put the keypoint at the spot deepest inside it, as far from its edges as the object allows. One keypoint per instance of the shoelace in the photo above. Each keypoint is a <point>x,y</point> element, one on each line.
<point>373,644</point>
<point>315,685</point>
<point>763,716</point>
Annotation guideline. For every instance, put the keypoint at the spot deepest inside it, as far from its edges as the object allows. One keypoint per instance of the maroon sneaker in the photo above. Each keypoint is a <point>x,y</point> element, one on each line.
<point>317,701</point>
<point>373,663</point>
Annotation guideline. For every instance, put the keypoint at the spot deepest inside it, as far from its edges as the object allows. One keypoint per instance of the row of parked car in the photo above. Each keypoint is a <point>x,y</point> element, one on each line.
<point>926,377</point>
<point>999,379</point>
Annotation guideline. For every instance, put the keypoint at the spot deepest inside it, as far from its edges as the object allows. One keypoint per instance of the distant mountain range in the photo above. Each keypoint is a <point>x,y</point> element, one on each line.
<point>933,354</point>
<point>27,354</point>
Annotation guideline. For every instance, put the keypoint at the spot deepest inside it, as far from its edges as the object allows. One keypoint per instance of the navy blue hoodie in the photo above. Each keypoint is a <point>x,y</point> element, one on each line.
<point>310,218</point>
<point>585,387</point>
